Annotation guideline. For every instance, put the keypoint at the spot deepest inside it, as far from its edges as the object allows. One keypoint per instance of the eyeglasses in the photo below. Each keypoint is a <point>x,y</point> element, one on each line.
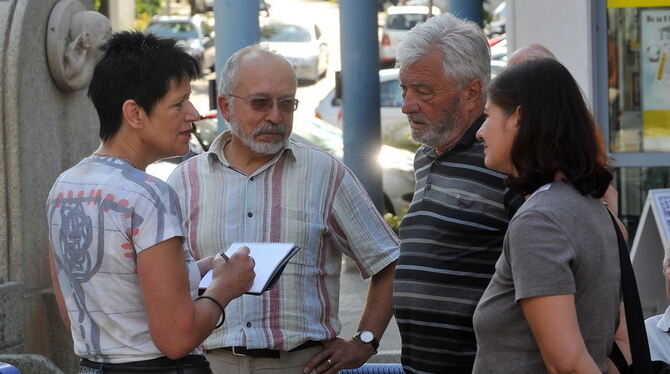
<point>263,104</point>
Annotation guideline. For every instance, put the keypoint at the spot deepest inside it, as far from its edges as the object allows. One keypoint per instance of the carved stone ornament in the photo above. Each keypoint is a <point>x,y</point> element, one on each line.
<point>74,37</point>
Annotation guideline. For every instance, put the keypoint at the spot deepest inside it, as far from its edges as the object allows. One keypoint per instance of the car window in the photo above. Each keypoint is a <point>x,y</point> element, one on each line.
<point>390,93</point>
<point>404,21</point>
<point>277,32</point>
<point>177,30</point>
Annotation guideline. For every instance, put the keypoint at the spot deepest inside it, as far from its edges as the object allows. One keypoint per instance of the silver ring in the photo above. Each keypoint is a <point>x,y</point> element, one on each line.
<point>330,361</point>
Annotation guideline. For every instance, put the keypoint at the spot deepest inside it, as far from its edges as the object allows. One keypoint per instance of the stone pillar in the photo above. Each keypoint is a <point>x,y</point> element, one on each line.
<point>45,130</point>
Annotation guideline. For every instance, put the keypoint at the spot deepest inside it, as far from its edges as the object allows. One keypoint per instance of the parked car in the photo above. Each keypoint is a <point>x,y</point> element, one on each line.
<point>195,34</point>
<point>498,47</point>
<point>394,125</point>
<point>396,164</point>
<point>303,45</point>
<point>399,20</point>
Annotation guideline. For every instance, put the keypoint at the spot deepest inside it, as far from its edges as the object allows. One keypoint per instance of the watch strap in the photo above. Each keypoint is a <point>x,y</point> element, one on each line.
<point>374,342</point>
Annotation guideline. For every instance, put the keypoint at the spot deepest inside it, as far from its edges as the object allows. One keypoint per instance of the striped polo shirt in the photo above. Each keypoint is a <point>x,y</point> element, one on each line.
<point>305,196</point>
<point>451,238</point>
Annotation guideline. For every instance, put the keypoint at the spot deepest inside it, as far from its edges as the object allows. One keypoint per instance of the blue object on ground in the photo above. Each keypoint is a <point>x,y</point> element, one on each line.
<point>6,368</point>
<point>375,369</point>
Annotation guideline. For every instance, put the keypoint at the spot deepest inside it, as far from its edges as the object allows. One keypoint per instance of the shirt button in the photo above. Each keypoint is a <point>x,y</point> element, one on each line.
<point>428,187</point>
<point>248,324</point>
<point>250,214</point>
<point>251,179</point>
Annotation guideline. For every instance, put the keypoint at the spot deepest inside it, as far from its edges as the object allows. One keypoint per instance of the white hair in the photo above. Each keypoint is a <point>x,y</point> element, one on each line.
<point>230,74</point>
<point>464,48</point>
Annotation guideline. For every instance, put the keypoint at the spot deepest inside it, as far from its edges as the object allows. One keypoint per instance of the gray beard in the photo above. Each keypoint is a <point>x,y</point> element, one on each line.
<point>264,148</point>
<point>438,134</point>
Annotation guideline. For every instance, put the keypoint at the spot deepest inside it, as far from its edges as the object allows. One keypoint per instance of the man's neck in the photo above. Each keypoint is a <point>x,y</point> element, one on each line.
<point>242,158</point>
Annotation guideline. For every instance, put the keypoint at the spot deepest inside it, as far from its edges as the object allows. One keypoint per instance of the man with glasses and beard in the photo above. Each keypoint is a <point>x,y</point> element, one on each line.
<point>452,235</point>
<point>256,185</point>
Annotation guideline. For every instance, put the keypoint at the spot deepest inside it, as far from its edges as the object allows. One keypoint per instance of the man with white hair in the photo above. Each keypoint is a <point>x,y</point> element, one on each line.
<point>256,185</point>
<point>452,235</point>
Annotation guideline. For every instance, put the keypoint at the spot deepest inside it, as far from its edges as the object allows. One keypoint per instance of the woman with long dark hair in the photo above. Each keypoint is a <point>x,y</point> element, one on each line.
<point>553,302</point>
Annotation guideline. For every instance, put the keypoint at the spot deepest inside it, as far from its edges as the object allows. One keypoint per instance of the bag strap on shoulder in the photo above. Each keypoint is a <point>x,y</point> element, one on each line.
<point>637,334</point>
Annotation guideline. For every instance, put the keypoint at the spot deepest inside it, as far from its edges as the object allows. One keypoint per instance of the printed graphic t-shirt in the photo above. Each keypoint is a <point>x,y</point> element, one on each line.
<point>102,213</point>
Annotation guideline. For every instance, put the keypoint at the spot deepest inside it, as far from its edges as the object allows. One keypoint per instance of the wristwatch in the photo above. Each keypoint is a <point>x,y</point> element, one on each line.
<point>367,337</point>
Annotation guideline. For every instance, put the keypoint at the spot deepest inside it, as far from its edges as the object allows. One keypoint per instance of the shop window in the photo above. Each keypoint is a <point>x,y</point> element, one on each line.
<point>633,184</point>
<point>639,79</point>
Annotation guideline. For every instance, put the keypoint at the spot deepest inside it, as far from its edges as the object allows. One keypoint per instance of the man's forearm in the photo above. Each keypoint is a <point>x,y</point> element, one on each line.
<point>379,304</point>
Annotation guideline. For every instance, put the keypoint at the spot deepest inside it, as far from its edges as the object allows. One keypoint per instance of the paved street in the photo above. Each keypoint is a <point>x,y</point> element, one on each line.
<point>354,289</point>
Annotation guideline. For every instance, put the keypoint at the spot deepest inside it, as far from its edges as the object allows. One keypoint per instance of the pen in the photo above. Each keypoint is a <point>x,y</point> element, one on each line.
<point>224,256</point>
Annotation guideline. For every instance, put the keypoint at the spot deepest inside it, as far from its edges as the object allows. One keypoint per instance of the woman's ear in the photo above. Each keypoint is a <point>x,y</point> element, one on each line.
<point>133,114</point>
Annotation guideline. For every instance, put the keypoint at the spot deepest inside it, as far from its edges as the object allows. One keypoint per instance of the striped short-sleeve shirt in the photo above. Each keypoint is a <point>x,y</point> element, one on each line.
<point>303,196</point>
<point>451,238</point>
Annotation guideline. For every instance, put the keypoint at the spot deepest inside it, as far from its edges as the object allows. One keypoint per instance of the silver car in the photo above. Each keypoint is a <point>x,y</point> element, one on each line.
<point>194,34</point>
<point>394,125</point>
<point>303,45</point>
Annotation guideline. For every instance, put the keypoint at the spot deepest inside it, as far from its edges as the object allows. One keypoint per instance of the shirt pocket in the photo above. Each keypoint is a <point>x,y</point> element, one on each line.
<point>305,230</point>
<point>473,204</point>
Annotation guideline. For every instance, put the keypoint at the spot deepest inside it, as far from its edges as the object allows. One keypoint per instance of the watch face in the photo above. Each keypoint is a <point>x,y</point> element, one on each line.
<point>366,336</point>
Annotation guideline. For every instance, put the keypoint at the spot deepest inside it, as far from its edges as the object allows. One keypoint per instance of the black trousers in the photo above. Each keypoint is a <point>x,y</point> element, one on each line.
<point>192,364</point>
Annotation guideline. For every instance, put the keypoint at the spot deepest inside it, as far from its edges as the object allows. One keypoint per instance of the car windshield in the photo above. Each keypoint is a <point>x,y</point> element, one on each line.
<point>404,21</point>
<point>177,29</point>
<point>284,33</point>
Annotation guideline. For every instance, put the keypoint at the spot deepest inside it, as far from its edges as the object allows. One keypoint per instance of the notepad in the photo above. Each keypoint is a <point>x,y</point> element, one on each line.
<point>270,258</point>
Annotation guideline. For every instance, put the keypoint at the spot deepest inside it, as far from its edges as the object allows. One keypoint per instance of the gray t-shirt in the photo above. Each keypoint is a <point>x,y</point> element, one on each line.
<point>559,242</point>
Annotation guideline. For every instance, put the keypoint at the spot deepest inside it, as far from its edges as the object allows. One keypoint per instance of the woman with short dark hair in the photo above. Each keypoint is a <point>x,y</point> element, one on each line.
<point>552,304</point>
<point>125,284</point>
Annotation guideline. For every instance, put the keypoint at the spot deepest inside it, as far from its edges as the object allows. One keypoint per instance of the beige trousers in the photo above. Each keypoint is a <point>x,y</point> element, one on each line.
<point>224,362</point>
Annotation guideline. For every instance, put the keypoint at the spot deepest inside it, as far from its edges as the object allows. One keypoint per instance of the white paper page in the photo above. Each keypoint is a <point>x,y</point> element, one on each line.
<point>266,255</point>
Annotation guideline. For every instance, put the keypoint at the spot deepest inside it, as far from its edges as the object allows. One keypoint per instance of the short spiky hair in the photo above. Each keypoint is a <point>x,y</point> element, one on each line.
<point>556,132</point>
<point>135,66</point>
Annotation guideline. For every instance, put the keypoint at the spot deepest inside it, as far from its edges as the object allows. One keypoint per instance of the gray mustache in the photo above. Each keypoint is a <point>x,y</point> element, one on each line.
<point>417,118</point>
<point>270,129</point>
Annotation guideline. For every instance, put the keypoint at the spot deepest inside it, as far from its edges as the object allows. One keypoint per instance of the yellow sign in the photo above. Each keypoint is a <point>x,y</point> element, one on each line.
<point>636,3</point>
<point>656,123</point>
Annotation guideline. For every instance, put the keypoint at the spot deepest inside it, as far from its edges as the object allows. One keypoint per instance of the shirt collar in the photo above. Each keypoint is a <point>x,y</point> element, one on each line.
<point>215,153</point>
<point>466,141</point>
<point>664,322</point>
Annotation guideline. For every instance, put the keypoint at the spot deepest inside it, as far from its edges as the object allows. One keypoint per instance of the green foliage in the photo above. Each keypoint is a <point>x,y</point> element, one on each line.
<point>394,221</point>
<point>147,7</point>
